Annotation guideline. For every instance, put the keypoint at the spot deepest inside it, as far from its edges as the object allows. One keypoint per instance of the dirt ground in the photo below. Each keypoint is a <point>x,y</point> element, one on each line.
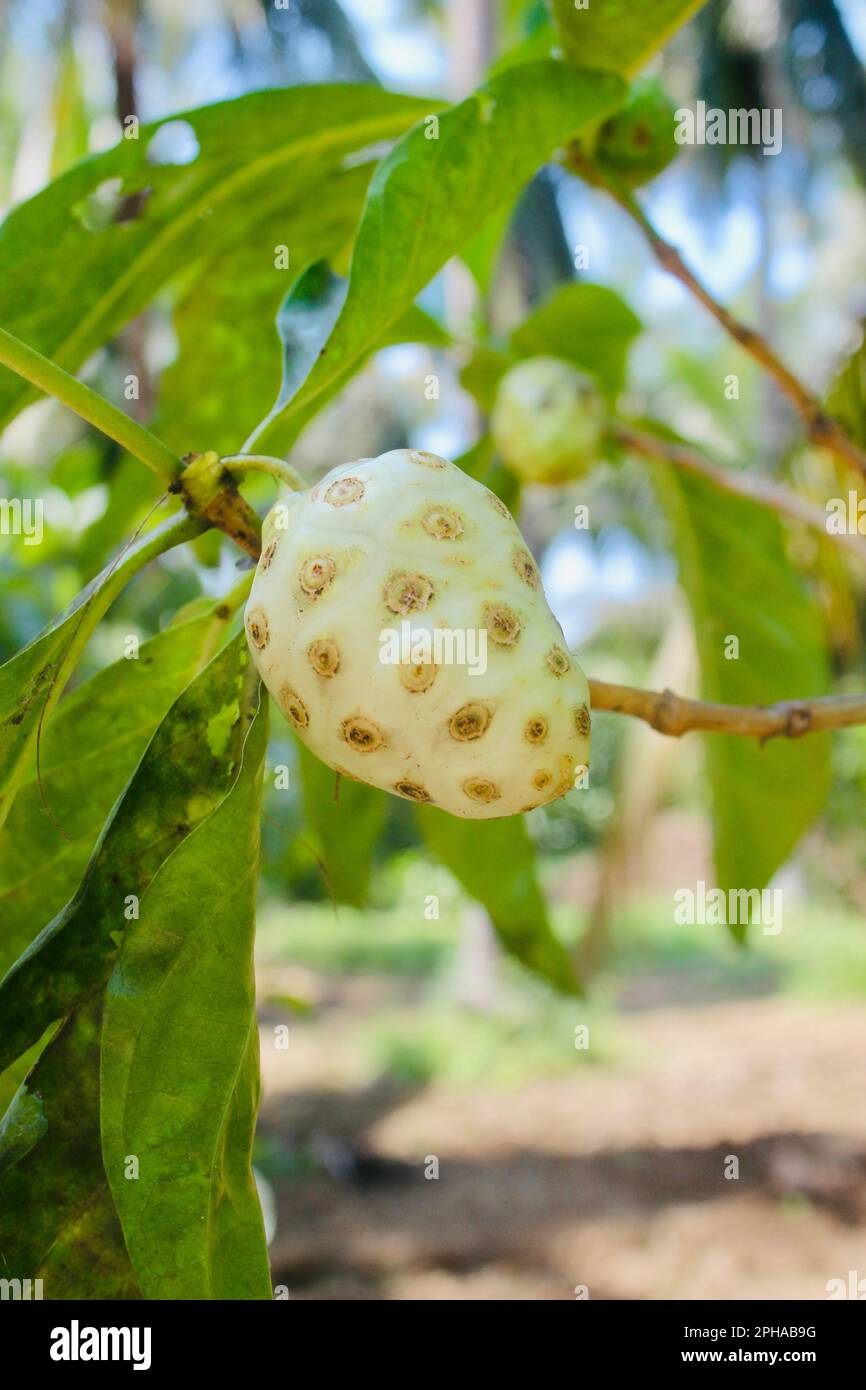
<point>612,1178</point>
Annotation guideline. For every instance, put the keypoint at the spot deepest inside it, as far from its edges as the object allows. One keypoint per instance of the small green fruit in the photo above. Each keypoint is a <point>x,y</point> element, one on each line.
<point>638,142</point>
<point>548,420</point>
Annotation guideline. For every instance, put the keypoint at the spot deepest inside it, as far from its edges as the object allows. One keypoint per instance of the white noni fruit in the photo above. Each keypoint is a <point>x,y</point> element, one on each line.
<point>548,420</point>
<point>398,619</point>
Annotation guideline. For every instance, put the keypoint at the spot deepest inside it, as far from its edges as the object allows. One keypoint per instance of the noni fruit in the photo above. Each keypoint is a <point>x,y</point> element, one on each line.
<point>398,619</point>
<point>634,144</point>
<point>638,142</point>
<point>548,420</point>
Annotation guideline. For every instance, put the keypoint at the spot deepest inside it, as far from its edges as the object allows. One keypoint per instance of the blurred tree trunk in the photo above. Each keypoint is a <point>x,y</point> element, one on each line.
<point>642,781</point>
<point>121,21</point>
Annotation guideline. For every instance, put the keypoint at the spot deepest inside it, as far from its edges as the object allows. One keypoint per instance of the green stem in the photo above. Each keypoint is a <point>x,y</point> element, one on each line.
<point>92,407</point>
<point>264,463</point>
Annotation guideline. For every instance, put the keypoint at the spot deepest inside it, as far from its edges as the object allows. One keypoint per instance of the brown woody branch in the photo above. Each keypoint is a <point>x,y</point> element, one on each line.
<point>674,715</point>
<point>758,489</point>
<point>821,428</point>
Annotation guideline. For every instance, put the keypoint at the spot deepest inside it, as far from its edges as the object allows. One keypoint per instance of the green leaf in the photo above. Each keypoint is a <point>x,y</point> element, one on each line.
<point>33,680</point>
<point>482,463</point>
<point>739,582</point>
<point>183,775</point>
<point>494,860</point>
<point>224,316</point>
<point>180,1047</point>
<point>341,829</point>
<point>86,254</point>
<point>587,324</point>
<point>618,35</point>
<point>57,1220</point>
<point>482,254</point>
<point>304,323</point>
<point>846,400</point>
<point>89,751</point>
<point>429,196</point>
<point>481,375</point>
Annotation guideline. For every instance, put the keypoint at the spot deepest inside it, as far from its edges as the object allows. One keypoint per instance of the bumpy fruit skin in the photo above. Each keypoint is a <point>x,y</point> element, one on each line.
<point>408,537</point>
<point>548,420</point>
<point>638,141</point>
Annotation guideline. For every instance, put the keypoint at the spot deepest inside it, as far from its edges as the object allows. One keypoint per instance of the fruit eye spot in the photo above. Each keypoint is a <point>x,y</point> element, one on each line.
<point>418,678</point>
<point>344,491</point>
<point>582,721</point>
<point>408,593</point>
<point>316,574</point>
<point>536,730</point>
<point>470,722</point>
<point>542,780</point>
<point>526,568</point>
<point>479,789</point>
<point>361,734</point>
<point>502,624</point>
<point>557,661</point>
<point>257,627</point>
<point>427,460</point>
<point>413,791</point>
<point>500,506</point>
<point>444,523</point>
<point>267,555</point>
<point>324,657</point>
<point>294,708</point>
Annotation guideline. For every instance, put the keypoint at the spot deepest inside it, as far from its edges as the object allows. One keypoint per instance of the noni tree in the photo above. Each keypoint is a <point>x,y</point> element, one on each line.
<point>131,801</point>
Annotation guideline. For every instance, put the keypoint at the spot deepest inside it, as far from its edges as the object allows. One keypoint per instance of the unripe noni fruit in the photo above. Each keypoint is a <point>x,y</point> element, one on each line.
<point>398,619</point>
<point>638,141</point>
<point>548,420</point>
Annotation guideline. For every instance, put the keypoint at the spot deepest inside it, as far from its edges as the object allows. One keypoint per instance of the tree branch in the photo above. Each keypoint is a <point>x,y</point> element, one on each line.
<point>822,429</point>
<point>674,715</point>
<point>758,489</point>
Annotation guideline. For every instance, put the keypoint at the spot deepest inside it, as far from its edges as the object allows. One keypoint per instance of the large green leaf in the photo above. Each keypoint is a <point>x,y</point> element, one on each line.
<point>89,750</point>
<point>494,860</point>
<point>740,583</point>
<point>430,195</point>
<point>227,371</point>
<point>32,681</point>
<point>587,324</point>
<point>618,35</point>
<point>86,254</point>
<point>180,1076</point>
<point>57,1220</point>
<point>340,827</point>
<point>182,777</point>
<point>306,318</point>
<point>57,1217</point>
